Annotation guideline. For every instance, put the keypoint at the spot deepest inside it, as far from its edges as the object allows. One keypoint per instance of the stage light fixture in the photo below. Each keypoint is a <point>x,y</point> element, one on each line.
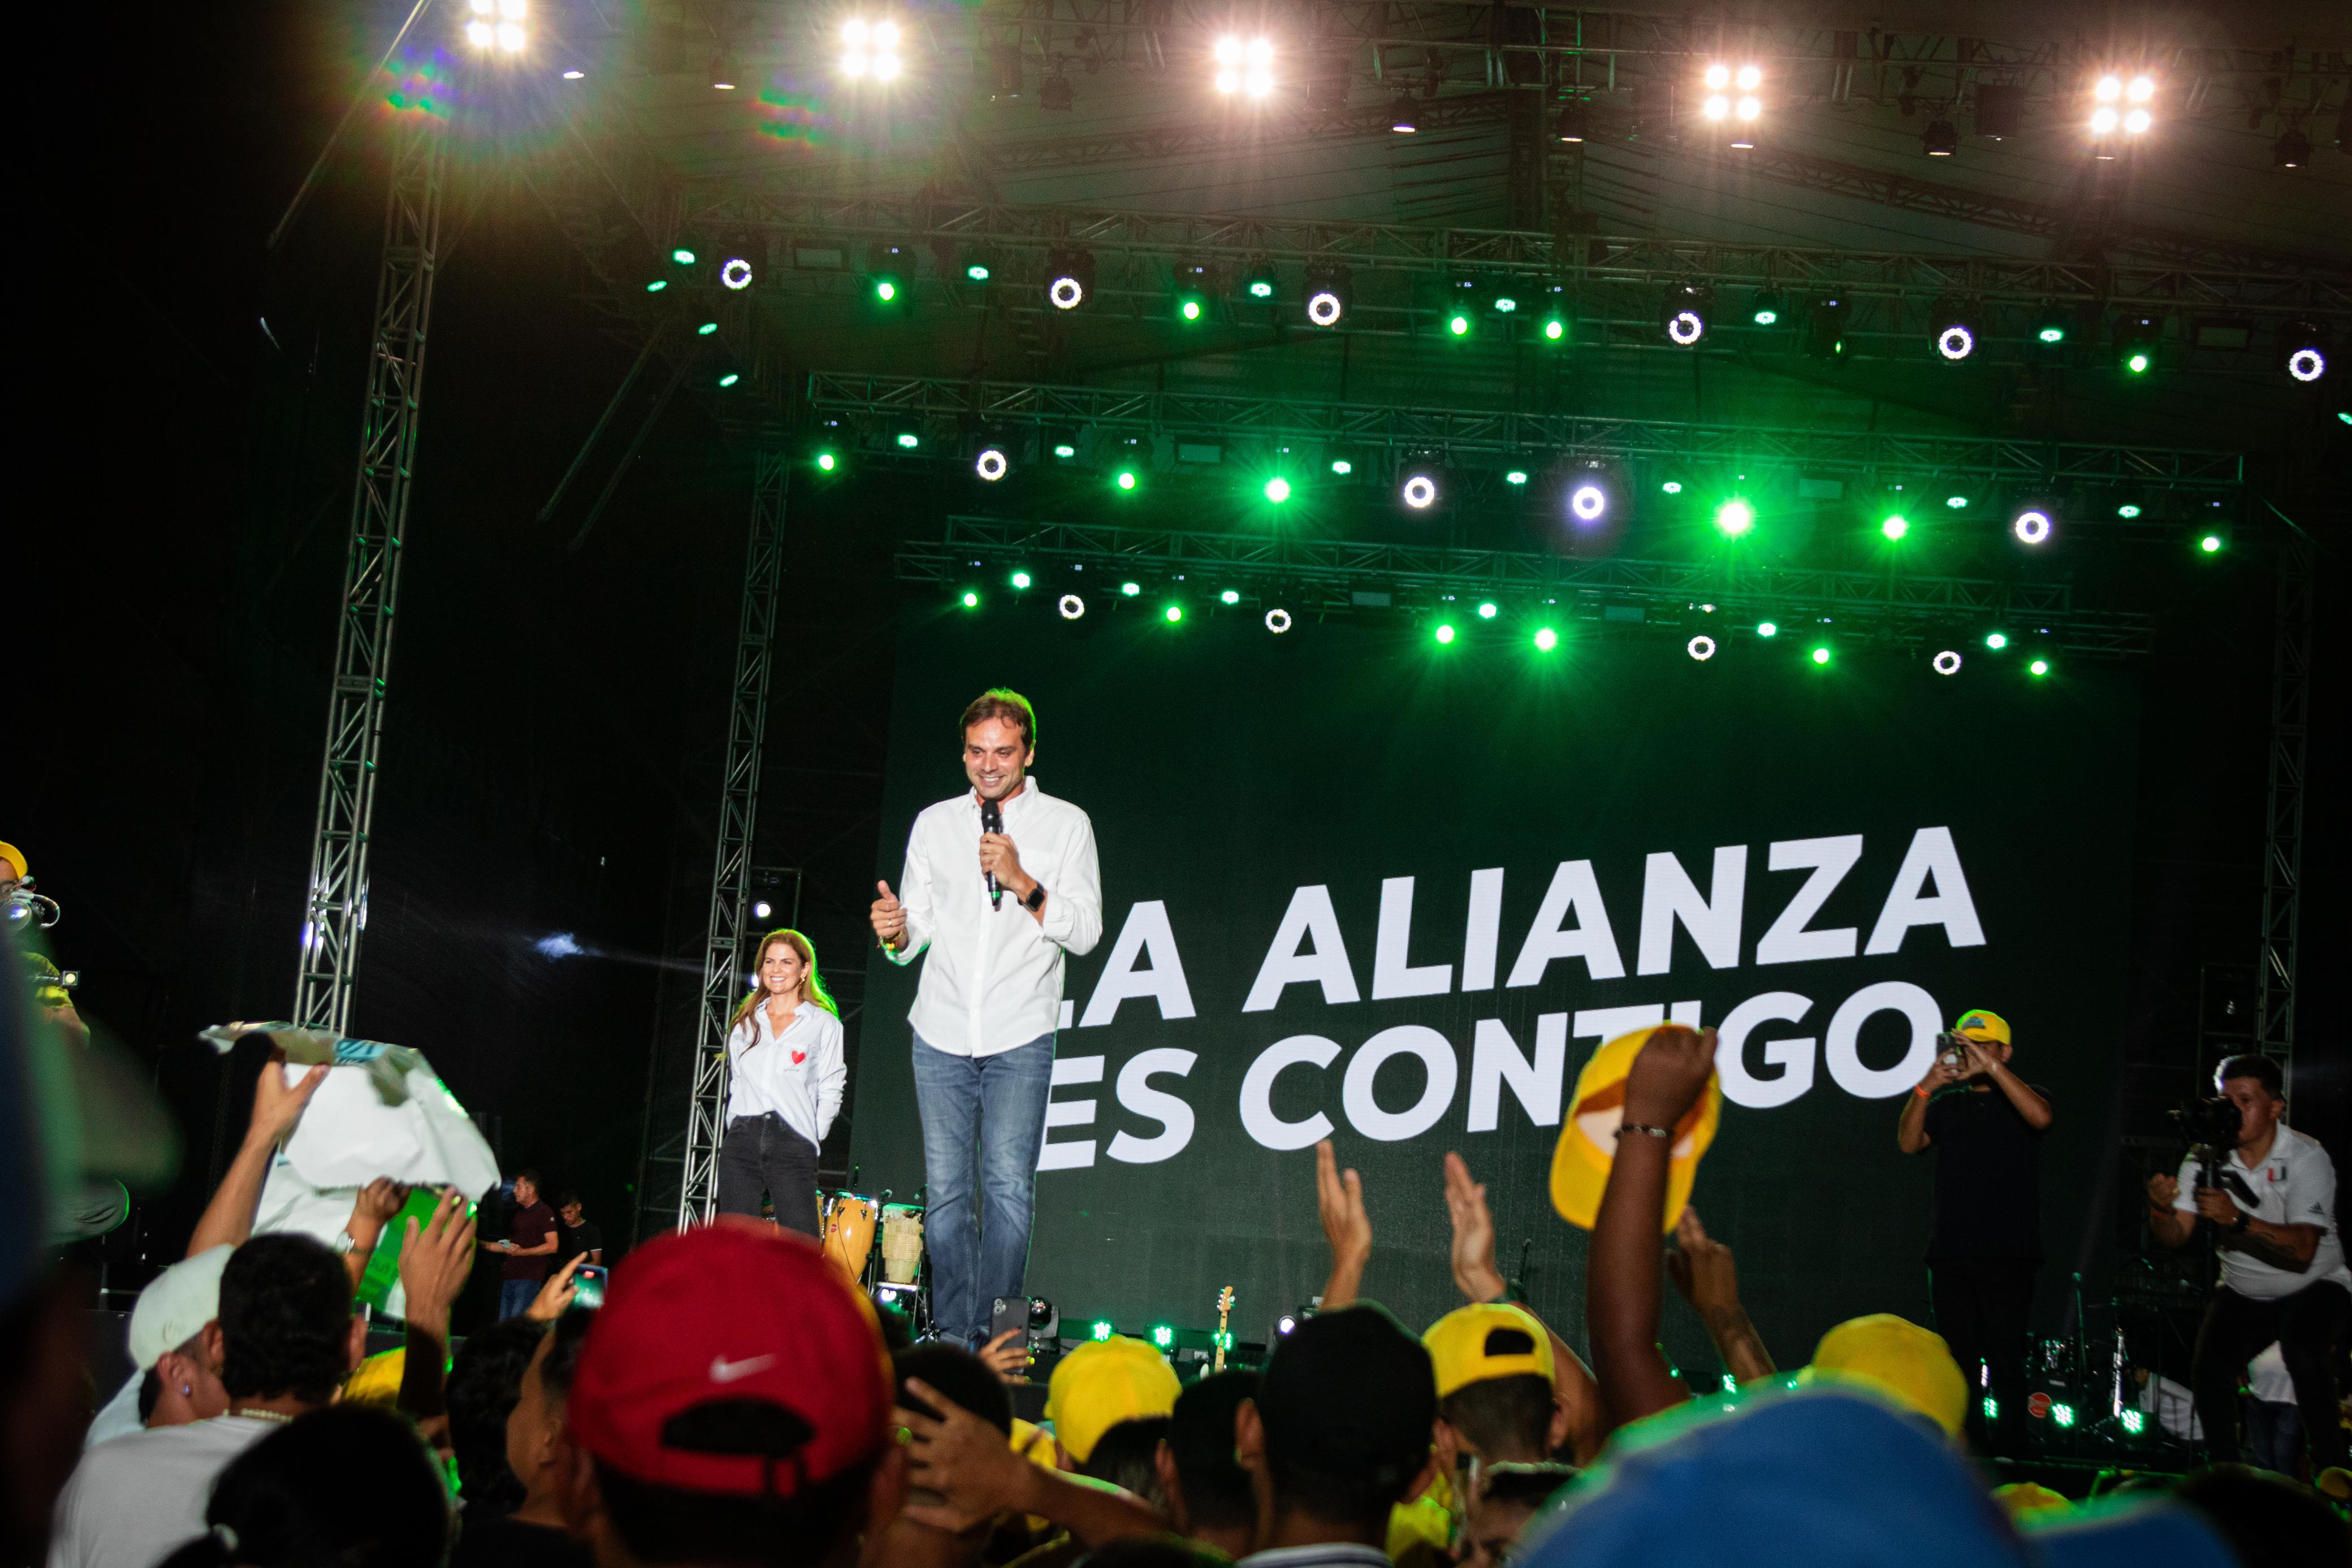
<point>1825,323</point>
<point>1419,491</point>
<point>1099,1331</point>
<point>2050,324</point>
<point>1735,518</point>
<point>1172,615</point>
<point>1444,633</point>
<point>1575,119</point>
<point>1019,580</point>
<point>1821,656</point>
<point>2032,525</point>
<point>1229,596</point>
<point>1555,327</point>
<point>2212,543</point>
<point>2136,338</point>
<point>1701,647</point>
<point>1588,501</point>
<point>907,440</point>
<point>1996,640</point>
<point>1403,119</point>
<point>826,461</point>
<point>890,271</point>
<point>1672,487</point>
<point>1277,621</point>
<point>1486,610</point>
<point>1341,465</point>
<point>1069,277</point>
<point>1947,662</point>
<point>735,273</point>
<point>991,464</point>
<point>1258,280</point>
<point>2292,150</point>
<point>706,330</point>
<point>2304,346</point>
<point>971,599</point>
<point>1071,607</point>
<point>2041,667</point>
<point>1894,526</point>
<point>1769,308</point>
<point>1244,67</point>
<point>683,255</point>
<point>1124,479</point>
<point>1277,489</point>
<point>730,379</point>
<point>869,49</point>
<point>1942,139</point>
<point>657,284</point>
<point>2127,511</point>
<point>1515,476</point>
<point>1330,291</point>
<point>1546,639</point>
<point>1458,324</point>
<point>1685,314</point>
<point>1130,589</point>
<point>1767,629</point>
<point>979,266</point>
<point>1054,93</point>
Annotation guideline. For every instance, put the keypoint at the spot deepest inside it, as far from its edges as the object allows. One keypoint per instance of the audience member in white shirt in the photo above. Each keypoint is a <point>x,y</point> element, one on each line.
<point>990,999</point>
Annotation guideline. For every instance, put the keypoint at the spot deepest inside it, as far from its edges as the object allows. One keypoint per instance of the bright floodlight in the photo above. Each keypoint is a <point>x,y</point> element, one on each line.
<point>2032,527</point>
<point>1022,580</point>
<point>2110,88</point>
<point>1277,489</point>
<point>1750,78</point>
<point>1685,328</point>
<point>1947,662</point>
<point>735,273</point>
<point>1895,526</point>
<point>1324,307</point>
<point>1125,480</point>
<point>1229,596</point>
<point>1066,293</point>
<point>2039,667</point>
<point>1131,588</point>
<point>1735,518</point>
<point>1715,107</point>
<point>1444,633</point>
<point>1748,108</point>
<point>1767,629</point>
<point>1515,477</point>
<point>1718,77</point>
<point>1996,640</point>
<point>1277,621</point>
<point>1588,501</point>
<point>1341,465</point>
<point>2138,120</point>
<point>1486,610</point>
<point>1547,639</point>
<point>971,599</point>
<point>1701,647</point>
<point>2307,364</point>
<point>482,35</point>
<point>511,37</point>
<point>1173,613</point>
<point>2104,121</point>
<point>1956,342</point>
<point>1420,491</point>
<point>991,464</point>
<point>1072,607</point>
<point>1821,656</point>
<point>2142,88</point>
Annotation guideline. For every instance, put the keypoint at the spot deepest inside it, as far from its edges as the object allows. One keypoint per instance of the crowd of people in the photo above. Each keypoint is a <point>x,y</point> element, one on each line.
<point>737,1400</point>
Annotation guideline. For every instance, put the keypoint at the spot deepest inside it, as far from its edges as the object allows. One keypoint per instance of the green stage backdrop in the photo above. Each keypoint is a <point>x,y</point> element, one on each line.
<point>1357,883</point>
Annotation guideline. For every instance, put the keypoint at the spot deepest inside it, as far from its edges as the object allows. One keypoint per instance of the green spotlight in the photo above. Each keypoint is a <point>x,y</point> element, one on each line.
<point>706,328</point>
<point>682,255</point>
<point>1064,449</point>
<point>1767,629</point>
<point>1125,480</point>
<point>1101,1330</point>
<point>1487,610</point>
<point>1504,304</point>
<point>2039,667</point>
<point>657,284</point>
<point>1277,489</point>
<point>1131,588</point>
<point>1735,518</point>
<point>1162,1335</point>
<point>1991,1408</point>
<point>1672,487</point>
<point>1444,633</point>
<point>1895,526</point>
<point>977,271</point>
<point>1957,503</point>
<point>1019,580</point>
<point>730,379</point>
<point>826,461</point>
<point>908,440</point>
<point>2211,544</point>
<point>1515,477</point>
<point>1175,613</point>
<point>1821,656</point>
<point>2052,334</point>
<point>1341,465</point>
<point>2127,511</point>
<point>2138,362</point>
<point>1458,324</point>
<point>971,599</point>
<point>1546,640</point>
<point>1766,317</point>
<point>1188,307</point>
<point>1229,596</point>
<point>1555,328</point>
<point>1996,640</point>
<point>2063,1414</point>
<point>885,289</point>
<point>2135,1422</point>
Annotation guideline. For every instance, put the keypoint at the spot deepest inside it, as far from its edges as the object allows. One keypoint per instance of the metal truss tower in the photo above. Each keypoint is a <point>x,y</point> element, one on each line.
<point>730,866</point>
<point>2274,977</point>
<point>335,913</point>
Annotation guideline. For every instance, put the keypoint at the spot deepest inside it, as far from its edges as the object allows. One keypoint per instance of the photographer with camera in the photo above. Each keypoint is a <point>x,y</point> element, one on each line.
<point>2270,1195</point>
<point>1984,1244</point>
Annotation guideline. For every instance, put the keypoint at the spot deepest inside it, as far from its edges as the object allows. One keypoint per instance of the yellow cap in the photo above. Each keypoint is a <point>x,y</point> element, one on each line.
<point>2023,1499</point>
<point>1899,1359</point>
<point>15,857</point>
<point>1103,1382</point>
<point>1587,1141</point>
<point>1980,1025</point>
<point>377,1380</point>
<point>1462,1345</point>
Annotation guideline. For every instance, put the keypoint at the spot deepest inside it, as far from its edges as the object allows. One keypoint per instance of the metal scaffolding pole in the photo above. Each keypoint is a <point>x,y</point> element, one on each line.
<point>730,866</point>
<point>2275,978</point>
<point>335,914</point>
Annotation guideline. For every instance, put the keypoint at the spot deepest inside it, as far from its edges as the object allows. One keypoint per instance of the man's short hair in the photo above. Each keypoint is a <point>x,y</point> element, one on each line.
<point>1346,1400</point>
<point>1127,1454</point>
<point>666,1524</point>
<point>565,1200</point>
<point>528,1175</point>
<point>570,1332</point>
<point>1000,702</point>
<point>2262,1069</point>
<point>1503,1418</point>
<point>1201,1440</point>
<point>485,1384</point>
<point>961,1375</point>
<point>285,1319</point>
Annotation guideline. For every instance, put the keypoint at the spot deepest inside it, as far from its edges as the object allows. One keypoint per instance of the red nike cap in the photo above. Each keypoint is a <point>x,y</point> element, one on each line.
<point>731,1360</point>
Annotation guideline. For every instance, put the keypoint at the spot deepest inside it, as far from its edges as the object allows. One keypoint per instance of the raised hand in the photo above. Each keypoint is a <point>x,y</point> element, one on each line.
<point>554,1297</point>
<point>277,1104</point>
<point>435,1261</point>
<point>1339,1200</point>
<point>1473,1233</point>
<point>1702,1267</point>
<point>1668,1075</point>
<point>1004,1356</point>
<point>960,1457</point>
<point>889,917</point>
<point>2163,1191</point>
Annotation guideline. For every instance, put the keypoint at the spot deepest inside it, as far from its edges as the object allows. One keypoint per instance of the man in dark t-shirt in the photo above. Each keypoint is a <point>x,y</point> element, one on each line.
<point>529,1248</point>
<point>578,1237</point>
<point>1984,1243</point>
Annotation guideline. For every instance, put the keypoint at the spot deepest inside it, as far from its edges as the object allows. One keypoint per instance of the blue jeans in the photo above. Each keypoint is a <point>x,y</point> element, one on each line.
<point>515,1296</point>
<point>984,1123</point>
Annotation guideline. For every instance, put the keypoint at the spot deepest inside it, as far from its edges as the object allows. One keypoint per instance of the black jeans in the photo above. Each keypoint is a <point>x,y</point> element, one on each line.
<point>1982,1308</point>
<point>761,1153</point>
<point>2310,1327</point>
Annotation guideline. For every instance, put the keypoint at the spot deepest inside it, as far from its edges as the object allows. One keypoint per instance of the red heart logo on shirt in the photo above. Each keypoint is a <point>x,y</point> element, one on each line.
<point>799,1057</point>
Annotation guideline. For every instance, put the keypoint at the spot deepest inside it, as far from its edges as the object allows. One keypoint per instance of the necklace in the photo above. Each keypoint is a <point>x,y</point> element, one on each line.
<point>254,1415</point>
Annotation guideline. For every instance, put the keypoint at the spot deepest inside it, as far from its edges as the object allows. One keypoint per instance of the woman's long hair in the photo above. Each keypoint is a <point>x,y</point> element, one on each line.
<point>812,987</point>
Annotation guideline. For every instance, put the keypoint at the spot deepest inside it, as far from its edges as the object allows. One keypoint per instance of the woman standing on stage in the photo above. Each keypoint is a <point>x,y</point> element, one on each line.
<point>785,1077</point>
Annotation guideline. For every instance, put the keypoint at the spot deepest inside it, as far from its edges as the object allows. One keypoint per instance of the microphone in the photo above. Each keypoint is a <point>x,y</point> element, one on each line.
<point>991,820</point>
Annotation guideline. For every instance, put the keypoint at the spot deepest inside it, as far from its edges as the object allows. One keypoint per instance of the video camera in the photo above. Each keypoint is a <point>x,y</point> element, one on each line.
<point>2212,1124</point>
<point>24,909</point>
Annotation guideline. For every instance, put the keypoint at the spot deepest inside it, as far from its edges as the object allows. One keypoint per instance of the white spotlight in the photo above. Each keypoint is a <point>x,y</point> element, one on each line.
<point>1718,77</point>
<point>735,273</point>
<point>763,909</point>
<point>1277,621</point>
<point>1715,107</point>
<point>1588,501</point>
<point>886,35</point>
<point>2137,121</point>
<point>1072,607</point>
<point>1956,342</point>
<point>991,464</point>
<point>2142,88</point>
<point>1948,663</point>
<point>2104,121</point>
<point>482,35</point>
<point>1420,491</point>
<point>2307,364</point>
<point>1701,647</point>
<point>1750,78</point>
<point>482,8</point>
<point>1685,328</point>
<point>2110,88</point>
<point>853,34</point>
<point>511,37</point>
<point>512,10</point>
<point>2032,527</point>
<point>1068,293</point>
<point>1749,108</point>
<point>1323,307</point>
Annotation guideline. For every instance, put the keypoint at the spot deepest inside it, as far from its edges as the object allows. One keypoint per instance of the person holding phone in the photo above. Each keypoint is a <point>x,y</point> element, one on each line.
<point>785,1075</point>
<point>1984,1246</point>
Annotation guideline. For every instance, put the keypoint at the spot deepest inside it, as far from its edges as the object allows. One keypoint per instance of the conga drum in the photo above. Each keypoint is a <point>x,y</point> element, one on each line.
<point>902,1242</point>
<point>849,1230</point>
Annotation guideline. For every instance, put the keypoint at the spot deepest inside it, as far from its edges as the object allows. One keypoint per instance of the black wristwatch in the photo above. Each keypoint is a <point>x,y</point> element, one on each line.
<point>1036,899</point>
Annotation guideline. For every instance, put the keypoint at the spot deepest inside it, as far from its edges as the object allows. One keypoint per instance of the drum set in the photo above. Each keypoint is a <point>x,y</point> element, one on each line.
<point>880,1245</point>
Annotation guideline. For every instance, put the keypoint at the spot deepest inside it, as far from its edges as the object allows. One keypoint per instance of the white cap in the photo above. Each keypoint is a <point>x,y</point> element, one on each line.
<point>178,1303</point>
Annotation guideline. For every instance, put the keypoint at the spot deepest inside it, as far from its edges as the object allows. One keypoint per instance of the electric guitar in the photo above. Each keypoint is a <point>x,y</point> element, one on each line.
<point>1224,1312</point>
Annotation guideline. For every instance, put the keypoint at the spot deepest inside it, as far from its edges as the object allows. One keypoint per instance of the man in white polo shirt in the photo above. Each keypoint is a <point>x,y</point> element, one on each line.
<point>1001,882</point>
<point>2282,1272</point>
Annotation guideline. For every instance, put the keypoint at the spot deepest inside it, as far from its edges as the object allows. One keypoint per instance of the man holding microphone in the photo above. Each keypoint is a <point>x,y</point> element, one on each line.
<point>1000,883</point>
